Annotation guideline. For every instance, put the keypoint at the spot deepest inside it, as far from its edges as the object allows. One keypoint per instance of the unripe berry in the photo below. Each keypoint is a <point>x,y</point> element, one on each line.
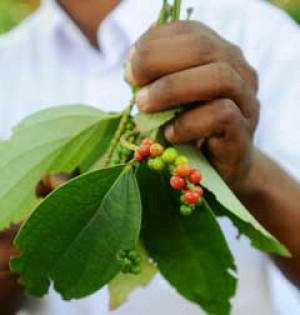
<point>186,210</point>
<point>129,125</point>
<point>138,156</point>
<point>191,197</point>
<point>181,159</point>
<point>156,164</point>
<point>134,257</point>
<point>137,269</point>
<point>183,170</point>
<point>125,151</point>
<point>170,155</point>
<point>195,176</point>
<point>156,149</point>
<point>177,182</point>
<point>147,141</point>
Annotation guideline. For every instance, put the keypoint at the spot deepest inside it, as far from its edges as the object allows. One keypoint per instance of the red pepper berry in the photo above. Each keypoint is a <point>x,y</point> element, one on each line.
<point>156,149</point>
<point>199,190</point>
<point>147,141</point>
<point>195,176</point>
<point>145,150</point>
<point>138,156</point>
<point>177,182</point>
<point>183,170</point>
<point>191,197</point>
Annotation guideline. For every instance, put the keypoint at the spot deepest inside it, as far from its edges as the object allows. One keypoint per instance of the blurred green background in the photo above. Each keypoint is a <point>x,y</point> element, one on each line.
<point>13,11</point>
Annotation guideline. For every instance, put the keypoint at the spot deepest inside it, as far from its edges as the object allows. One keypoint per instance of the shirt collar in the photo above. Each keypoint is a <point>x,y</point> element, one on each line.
<point>121,28</point>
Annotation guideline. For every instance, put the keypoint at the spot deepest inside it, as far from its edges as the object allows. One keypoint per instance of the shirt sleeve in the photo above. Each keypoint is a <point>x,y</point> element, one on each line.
<point>272,45</point>
<point>273,48</point>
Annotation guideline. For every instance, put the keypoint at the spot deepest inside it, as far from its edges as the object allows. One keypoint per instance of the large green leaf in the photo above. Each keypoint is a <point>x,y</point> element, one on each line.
<point>57,139</point>
<point>124,284</point>
<point>191,252</point>
<point>75,235</point>
<point>227,204</point>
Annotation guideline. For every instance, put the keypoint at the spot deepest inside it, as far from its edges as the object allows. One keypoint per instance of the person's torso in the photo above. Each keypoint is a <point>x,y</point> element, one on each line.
<point>57,67</point>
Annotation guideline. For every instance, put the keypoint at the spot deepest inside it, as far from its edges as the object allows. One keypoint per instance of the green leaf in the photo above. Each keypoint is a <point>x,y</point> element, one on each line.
<point>123,284</point>
<point>227,204</point>
<point>75,235</point>
<point>146,122</point>
<point>191,252</point>
<point>55,140</point>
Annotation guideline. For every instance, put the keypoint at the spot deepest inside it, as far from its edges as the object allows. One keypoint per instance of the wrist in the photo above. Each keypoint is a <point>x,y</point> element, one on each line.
<point>252,183</point>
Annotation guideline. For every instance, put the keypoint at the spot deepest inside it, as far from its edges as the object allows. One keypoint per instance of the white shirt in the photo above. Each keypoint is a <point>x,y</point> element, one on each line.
<point>47,62</point>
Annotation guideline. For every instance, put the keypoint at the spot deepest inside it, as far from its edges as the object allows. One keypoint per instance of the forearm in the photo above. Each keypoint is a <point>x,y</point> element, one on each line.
<point>273,197</point>
<point>11,294</point>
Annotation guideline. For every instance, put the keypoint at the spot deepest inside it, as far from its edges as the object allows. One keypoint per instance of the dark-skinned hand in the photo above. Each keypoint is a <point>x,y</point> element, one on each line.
<point>187,63</point>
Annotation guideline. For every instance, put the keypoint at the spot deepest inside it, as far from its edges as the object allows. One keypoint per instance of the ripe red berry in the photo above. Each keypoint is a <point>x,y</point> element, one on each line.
<point>138,156</point>
<point>177,182</point>
<point>145,150</point>
<point>191,197</point>
<point>147,141</point>
<point>156,149</point>
<point>183,170</point>
<point>199,191</point>
<point>195,176</point>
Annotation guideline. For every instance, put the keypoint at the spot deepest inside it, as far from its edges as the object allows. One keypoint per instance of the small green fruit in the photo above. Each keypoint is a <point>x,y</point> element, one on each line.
<point>156,164</point>
<point>170,155</point>
<point>181,159</point>
<point>186,210</point>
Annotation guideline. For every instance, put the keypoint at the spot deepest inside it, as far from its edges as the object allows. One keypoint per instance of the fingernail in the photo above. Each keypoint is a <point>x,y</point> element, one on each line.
<point>169,132</point>
<point>200,142</point>
<point>142,98</point>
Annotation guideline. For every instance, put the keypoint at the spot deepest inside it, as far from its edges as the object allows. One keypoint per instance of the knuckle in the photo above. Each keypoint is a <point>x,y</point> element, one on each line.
<point>254,119</point>
<point>227,112</point>
<point>253,77</point>
<point>224,78</point>
<point>203,44</point>
<point>184,27</point>
<point>141,64</point>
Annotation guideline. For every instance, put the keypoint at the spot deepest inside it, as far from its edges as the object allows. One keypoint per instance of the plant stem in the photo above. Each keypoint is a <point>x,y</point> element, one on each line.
<point>176,10</point>
<point>128,145</point>
<point>115,141</point>
<point>163,17</point>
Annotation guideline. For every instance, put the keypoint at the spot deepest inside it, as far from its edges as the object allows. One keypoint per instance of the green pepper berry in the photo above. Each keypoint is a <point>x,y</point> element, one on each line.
<point>129,125</point>
<point>125,151</point>
<point>133,255</point>
<point>156,164</point>
<point>181,159</point>
<point>170,155</point>
<point>136,270</point>
<point>186,210</point>
<point>127,265</point>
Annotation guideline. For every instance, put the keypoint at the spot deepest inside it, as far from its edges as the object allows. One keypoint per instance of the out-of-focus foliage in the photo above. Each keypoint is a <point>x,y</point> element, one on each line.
<point>13,11</point>
<point>291,6</point>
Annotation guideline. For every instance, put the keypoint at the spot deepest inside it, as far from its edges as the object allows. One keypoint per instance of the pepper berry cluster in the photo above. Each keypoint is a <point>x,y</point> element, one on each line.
<point>123,154</point>
<point>183,177</point>
<point>131,262</point>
